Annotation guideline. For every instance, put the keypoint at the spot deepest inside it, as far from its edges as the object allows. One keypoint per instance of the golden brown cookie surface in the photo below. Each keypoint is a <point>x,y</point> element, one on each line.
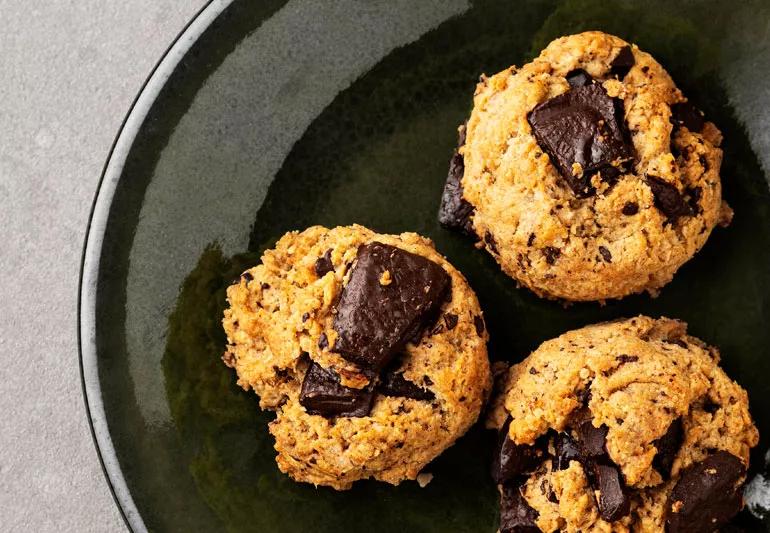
<point>624,413</point>
<point>281,328</point>
<point>586,173</point>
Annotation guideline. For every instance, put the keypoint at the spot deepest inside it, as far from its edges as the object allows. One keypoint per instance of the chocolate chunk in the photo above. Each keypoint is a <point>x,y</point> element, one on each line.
<point>606,255</point>
<point>455,212</point>
<point>592,439</point>
<point>395,384</point>
<point>551,254</point>
<point>622,63</point>
<point>516,515</point>
<point>490,240</point>
<point>668,200</point>
<point>323,264</point>
<point>707,494</point>
<point>566,449</point>
<point>668,447</point>
<point>694,199</point>
<point>374,321</point>
<point>322,394</point>
<point>512,460</point>
<point>613,502</point>
<point>264,286</point>
<point>623,358</point>
<point>687,115</point>
<point>584,126</point>
<point>578,78</point>
<point>247,276</point>
<point>323,341</point>
<point>478,323</point>
<point>305,316</point>
<point>531,239</point>
<point>630,209</point>
<point>451,321</point>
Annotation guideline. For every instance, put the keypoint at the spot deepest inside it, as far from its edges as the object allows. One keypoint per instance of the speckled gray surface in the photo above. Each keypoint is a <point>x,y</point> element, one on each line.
<point>70,72</point>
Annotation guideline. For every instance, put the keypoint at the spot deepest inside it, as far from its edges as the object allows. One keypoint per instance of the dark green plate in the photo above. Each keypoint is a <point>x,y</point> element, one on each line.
<point>267,116</point>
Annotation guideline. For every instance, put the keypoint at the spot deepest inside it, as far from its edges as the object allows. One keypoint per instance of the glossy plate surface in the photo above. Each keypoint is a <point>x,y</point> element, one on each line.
<point>271,116</point>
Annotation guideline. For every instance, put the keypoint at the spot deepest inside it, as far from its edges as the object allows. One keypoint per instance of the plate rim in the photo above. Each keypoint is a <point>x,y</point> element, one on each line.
<point>92,247</point>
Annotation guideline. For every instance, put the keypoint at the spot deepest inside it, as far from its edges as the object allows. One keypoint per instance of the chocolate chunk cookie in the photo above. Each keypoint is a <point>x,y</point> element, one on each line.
<point>370,348</point>
<point>623,426</point>
<point>586,173</point>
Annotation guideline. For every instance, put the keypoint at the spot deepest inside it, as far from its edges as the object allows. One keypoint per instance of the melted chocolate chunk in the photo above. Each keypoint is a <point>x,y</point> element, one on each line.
<point>323,264</point>
<point>566,449</point>
<point>451,321</point>
<point>584,126</point>
<point>622,63</point>
<point>707,494</point>
<point>374,321</point>
<point>687,115</point>
<point>592,439</point>
<point>668,447</point>
<point>613,501</point>
<point>668,200</point>
<point>512,460</point>
<point>455,212</point>
<point>516,515</point>
<point>630,209</point>
<point>623,358</point>
<point>247,276</point>
<point>605,253</point>
<point>395,384</point>
<point>322,394</point>
<point>478,323</point>
<point>579,78</point>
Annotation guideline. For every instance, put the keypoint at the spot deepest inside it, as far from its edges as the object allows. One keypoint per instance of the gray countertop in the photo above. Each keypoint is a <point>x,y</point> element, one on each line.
<point>69,72</point>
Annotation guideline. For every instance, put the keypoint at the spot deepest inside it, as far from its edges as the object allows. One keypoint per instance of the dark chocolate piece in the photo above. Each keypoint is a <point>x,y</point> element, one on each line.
<point>322,394</point>
<point>323,341</point>
<point>578,78</point>
<point>605,253</point>
<point>668,447</point>
<point>516,515</point>
<point>395,384</point>
<point>613,496</point>
<point>323,264</point>
<point>584,126</point>
<point>687,115</point>
<point>707,495</point>
<point>668,200</point>
<point>592,439</point>
<point>622,63</point>
<point>455,212</point>
<point>551,254</point>
<point>491,242</point>
<point>375,320</point>
<point>451,321</point>
<point>566,449</point>
<point>512,460</point>
<point>630,209</point>
<point>478,323</point>
<point>247,276</point>
<point>623,358</point>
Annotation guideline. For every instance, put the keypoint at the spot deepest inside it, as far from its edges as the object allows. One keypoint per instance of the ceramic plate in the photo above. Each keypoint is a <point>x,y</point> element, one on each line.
<point>270,116</point>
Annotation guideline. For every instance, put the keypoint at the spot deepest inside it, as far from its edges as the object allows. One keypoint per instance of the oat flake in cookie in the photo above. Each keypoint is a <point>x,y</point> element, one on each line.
<point>623,426</point>
<point>366,346</point>
<point>586,173</point>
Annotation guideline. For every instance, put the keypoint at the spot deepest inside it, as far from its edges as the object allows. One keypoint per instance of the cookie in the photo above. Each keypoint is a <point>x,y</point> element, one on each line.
<point>623,426</point>
<point>586,173</point>
<point>370,348</point>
